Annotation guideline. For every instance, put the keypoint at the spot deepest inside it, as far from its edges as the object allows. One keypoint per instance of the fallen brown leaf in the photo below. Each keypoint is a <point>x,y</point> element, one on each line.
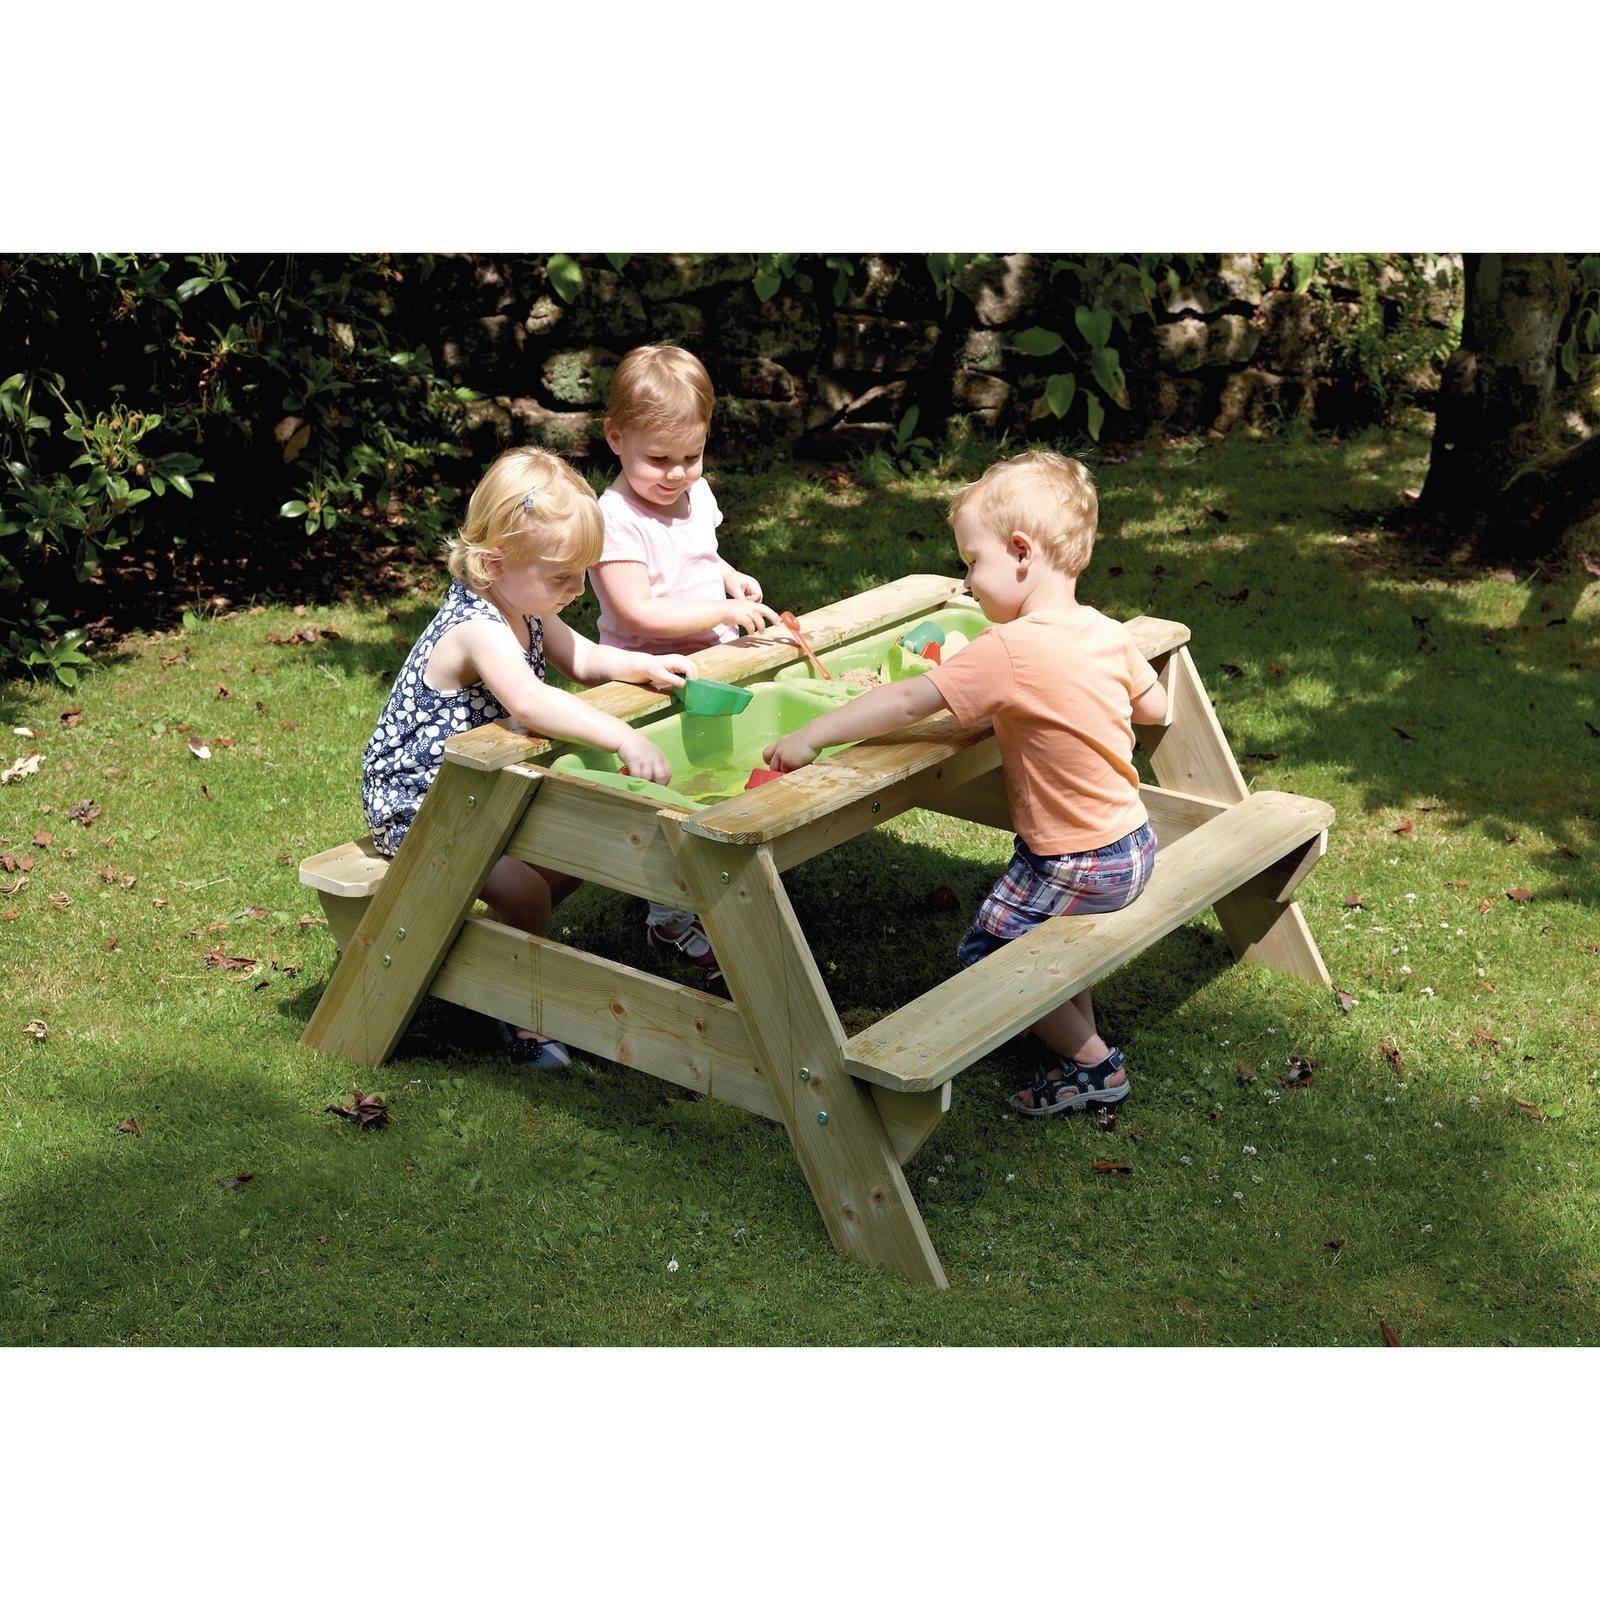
<point>84,811</point>
<point>205,791</point>
<point>111,943</point>
<point>237,1179</point>
<point>1345,1000</point>
<point>60,902</point>
<point>367,1109</point>
<point>1392,1056</point>
<point>130,1126</point>
<point>42,840</point>
<point>198,747</point>
<point>36,1029</point>
<point>1245,1075</point>
<point>1524,895</point>
<point>1112,1166</point>
<point>1528,1106</point>
<point>1483,906</point>
<point>22,767</point>
<point>219,957</point>
<point>1483,1037</point>
<point>1390,1337</point>
<point>1334,1244</point>
<point>1405,827</point>
<point>1354,902</point>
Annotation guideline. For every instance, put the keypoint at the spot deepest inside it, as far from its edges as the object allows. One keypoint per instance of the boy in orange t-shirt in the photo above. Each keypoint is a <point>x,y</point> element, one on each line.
<point>1064,686</point>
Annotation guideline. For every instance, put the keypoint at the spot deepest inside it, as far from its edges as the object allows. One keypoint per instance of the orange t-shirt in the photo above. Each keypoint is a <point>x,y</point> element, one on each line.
<point>1060,687</point>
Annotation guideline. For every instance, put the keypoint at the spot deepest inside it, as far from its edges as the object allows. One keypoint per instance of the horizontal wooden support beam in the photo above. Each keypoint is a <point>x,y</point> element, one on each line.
<point>605,1009</point>
<point>602,835</point>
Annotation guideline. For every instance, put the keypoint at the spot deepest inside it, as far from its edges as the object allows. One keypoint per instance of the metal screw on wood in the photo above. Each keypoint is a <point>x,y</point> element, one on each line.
<point>399,933</point>
<point>387,959</point>
<point>874,805</point>
<point>472,800</point>
<point>822,1116</point>
<point>805,1074</point>
<point>726,877</point>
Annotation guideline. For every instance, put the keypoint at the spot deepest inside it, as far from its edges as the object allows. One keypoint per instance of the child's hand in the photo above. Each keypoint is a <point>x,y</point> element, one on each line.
<point>792,751</point>
<point>643,760</point>
<point>743,587</point>
<point>750,615</point>
<point>664,672</point>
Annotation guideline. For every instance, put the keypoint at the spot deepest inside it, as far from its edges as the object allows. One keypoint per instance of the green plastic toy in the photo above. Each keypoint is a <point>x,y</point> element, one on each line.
<point>922,634</point>
<point>705,697</point>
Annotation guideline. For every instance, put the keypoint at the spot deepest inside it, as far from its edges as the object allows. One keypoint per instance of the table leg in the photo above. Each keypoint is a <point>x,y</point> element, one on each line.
<point>1190,752</point>
<point>411,922</point>
<point>838,1135</point>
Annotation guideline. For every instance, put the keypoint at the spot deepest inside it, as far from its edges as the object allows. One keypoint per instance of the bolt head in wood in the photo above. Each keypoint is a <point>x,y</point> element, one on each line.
<point>822,1116</point>
<point>472,800</point>
<point>727,877</point>
<point>387,959</point>
<point>805,1074</point>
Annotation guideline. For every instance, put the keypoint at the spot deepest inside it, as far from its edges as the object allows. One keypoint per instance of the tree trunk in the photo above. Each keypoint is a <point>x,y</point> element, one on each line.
<point>1498,474</point>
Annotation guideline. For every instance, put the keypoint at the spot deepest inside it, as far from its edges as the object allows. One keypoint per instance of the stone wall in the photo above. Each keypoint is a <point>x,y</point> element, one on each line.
<point>828,367</point>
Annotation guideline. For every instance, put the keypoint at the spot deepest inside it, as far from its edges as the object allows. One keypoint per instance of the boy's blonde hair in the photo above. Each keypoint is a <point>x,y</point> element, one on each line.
<point>529,506</point>
<point>1041,493</point>
<point>660,388</point>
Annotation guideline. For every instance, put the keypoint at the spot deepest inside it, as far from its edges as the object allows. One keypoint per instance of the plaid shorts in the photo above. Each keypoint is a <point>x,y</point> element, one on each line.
<point>1036,888</point>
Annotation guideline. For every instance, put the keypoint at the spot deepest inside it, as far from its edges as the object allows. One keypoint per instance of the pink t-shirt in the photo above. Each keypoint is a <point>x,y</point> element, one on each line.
<point>680,559</point>
<point>1060,686</point>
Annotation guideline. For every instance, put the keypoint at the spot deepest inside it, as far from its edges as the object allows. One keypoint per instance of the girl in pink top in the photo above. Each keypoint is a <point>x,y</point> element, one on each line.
<point>662,586</point>
<point>1064,686</point>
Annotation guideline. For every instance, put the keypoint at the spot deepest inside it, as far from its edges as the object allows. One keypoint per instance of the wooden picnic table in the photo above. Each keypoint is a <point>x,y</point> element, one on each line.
<point>856,1107</point>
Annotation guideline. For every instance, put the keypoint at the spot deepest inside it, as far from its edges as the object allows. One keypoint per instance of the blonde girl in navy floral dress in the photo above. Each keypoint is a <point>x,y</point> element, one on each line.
<point>532,528</point>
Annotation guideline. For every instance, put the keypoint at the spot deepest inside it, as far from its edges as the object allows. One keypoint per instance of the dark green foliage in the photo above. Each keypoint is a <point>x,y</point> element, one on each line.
<point>276,381</point>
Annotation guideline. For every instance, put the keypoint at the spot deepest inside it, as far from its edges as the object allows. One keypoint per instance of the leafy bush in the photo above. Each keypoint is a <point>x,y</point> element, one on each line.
<point>276,379</point>
<point>1383,343</point>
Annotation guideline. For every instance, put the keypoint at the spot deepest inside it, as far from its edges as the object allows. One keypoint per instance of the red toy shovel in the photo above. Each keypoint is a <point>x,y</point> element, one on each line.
<point>787,619</point>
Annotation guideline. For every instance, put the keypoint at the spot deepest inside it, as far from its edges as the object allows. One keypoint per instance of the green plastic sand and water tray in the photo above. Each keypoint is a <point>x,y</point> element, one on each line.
<point>715,743</point>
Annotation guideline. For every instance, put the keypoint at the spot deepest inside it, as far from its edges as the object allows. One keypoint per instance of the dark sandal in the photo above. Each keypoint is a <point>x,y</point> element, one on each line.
<point>542,1055</point>
<point>1075,1088</point>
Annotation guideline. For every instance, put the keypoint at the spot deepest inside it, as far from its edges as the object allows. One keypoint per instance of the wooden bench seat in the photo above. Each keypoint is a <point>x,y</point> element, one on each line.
<point>345,878</point>
<point>1260,846</point>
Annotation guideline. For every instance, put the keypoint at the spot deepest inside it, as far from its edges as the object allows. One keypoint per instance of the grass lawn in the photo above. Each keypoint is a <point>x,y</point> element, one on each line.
<point>1439,1175</point>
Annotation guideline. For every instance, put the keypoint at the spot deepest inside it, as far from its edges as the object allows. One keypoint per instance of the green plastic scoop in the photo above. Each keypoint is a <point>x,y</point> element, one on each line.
<point>704,697</point>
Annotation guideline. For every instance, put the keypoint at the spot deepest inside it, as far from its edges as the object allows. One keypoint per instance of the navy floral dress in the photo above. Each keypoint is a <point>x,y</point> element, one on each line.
<point>407,747</point>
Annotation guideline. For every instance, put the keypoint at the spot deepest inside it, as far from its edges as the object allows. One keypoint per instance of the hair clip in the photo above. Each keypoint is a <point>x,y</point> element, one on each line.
<point>527,501</point>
